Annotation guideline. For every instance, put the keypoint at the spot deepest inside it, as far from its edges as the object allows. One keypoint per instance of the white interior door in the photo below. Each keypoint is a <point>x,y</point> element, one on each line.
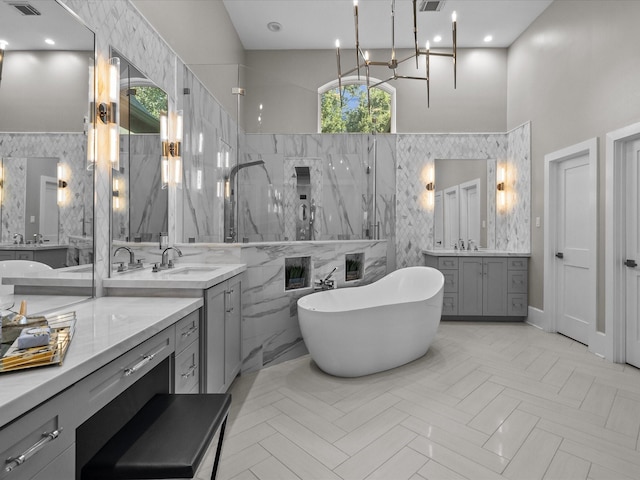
<point>470,211</point>
<point>573,248</point>
<point>451,216</point>
<point>48,226</point>
<point>633,254</point>
<point>438,214</point>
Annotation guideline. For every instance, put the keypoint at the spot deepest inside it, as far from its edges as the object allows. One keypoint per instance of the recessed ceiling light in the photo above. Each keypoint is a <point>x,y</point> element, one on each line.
<point>488,38</point>
<point>274,26</point>
<point>48,41</point>
<point>437,38</point>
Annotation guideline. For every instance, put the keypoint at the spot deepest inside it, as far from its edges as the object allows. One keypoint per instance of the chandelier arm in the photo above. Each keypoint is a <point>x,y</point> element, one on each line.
<point>406,58</point>
<point>339,76</point>
<point>454,34</point>
<point>441,54</point>
<point>415,32</point>
<point>368,89</point>
<point>358,52</point>
<point>393,31</point>
<point>378,64</point>
<point>381,82</point>
<point>427,65</point>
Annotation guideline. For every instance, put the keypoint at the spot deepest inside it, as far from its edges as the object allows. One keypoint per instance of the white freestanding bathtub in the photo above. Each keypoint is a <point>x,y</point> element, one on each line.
<point>357,331</point>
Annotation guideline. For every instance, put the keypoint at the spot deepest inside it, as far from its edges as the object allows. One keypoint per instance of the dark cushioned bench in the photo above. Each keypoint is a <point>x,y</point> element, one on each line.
<point>167,438</point>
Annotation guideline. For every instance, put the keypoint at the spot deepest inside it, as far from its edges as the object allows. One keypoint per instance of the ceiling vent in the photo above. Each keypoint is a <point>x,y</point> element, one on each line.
<point>25,9</point>
<point>431,5</point>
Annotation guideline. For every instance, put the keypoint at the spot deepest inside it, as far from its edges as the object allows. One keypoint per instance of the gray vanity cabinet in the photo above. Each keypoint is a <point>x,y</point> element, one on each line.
<point>482,287</point>
<point>223,338</point>
<point>476,286</point>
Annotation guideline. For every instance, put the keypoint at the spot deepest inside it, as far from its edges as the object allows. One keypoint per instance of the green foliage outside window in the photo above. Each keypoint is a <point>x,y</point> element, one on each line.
<point>153,99</point>
<point>354,116</point>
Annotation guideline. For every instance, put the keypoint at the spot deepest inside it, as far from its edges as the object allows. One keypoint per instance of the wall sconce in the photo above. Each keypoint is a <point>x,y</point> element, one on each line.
<point>171,149</point>
<point>116,194</point>
<point>3,45</point>
<point>500,186</point>
<point>109,113</point>
<point>62,184</point>
<point>430,187</point>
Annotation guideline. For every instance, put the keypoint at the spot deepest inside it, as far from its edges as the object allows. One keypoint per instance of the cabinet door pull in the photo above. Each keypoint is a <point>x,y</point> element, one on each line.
<point>191,330</point>
<point>631,263</point>
<point>146,359</point>
<point>190,371</point>
<point>560,255</point>
<point>14,462</point>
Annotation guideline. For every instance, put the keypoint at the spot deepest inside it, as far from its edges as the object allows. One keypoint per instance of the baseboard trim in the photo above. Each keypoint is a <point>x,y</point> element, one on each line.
<point>536,318</point>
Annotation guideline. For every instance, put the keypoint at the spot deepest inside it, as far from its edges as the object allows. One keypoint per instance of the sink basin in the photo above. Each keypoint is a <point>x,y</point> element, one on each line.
<point>190,270</point>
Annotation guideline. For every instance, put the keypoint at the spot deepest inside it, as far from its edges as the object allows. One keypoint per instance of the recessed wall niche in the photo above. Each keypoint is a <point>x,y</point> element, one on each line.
<point>296,272</point>
<point>353,266</point>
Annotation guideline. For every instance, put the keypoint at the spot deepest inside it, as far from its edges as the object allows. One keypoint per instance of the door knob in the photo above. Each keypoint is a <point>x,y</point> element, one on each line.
<point>631,263</point>
<point>560,255</point>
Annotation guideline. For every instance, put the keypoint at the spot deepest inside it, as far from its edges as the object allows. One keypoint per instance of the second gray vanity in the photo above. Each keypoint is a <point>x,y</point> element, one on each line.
<point>482,284</point>
<point>209,364</point>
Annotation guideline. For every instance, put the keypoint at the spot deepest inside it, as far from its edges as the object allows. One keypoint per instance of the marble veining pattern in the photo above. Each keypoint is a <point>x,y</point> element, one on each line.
<point>75,215</point>
<point>417,152</point>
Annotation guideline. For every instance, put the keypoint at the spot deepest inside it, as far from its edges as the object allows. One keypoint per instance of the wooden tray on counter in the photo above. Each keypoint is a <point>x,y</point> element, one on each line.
<point>62,329</point>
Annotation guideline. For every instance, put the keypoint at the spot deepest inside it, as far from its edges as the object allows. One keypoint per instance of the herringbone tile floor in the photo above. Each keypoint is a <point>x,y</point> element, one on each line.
<point>488,401</point>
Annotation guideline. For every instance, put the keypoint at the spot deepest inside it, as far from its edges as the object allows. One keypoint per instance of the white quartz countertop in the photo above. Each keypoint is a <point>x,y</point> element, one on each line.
<point>106,328</point>
<point>32,246</point>
<point>482,252</point>
<point>184,275</point>
<point>77,276</point>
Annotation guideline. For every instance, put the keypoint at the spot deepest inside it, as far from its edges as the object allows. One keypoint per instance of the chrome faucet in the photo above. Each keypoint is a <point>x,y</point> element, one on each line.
<point>325,283</point>
<point>165,255</point>
<point>132,259</point>
<point>16,235</point>
<point>37,238</point>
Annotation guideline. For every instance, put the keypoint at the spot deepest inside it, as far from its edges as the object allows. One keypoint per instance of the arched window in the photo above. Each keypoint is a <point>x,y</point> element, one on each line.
<point>353,114</point>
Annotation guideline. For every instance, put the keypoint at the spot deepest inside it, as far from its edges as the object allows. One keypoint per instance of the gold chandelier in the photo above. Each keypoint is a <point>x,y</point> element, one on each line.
<point>365,63</point>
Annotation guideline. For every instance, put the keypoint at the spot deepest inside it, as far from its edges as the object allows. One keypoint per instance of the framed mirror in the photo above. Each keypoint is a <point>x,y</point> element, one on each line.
<point>140,200</point>
<point>46,89</point>
<point>464,203</point>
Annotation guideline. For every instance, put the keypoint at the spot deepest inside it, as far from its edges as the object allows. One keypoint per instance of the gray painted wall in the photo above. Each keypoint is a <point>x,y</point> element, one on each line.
<point>51,97</point>
<point>287,82</point>
<point>574,73</point>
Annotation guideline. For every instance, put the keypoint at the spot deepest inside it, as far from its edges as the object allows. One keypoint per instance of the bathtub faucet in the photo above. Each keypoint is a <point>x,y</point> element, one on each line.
<point>326,283</point>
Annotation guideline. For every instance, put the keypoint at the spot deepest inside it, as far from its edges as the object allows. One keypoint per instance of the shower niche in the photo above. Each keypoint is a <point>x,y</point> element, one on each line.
<point>297,272</point>
<point>353,266</point>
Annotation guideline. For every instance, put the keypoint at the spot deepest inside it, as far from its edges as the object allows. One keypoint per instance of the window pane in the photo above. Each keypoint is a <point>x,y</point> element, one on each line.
<point>353,115</point>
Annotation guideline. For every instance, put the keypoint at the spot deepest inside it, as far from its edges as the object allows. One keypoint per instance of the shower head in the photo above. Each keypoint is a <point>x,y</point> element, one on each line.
<point>240,166</point>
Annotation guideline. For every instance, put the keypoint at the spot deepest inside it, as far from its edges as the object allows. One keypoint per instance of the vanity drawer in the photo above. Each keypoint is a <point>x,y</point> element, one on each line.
<point>41,435</point>
<point>517,281</point>
<point>517,263</point>
<point>450,281</point>
<point>450,304</point>
<point>114,378</point>
<point>447,263</point>
<point>187,330</point>
<point>517,305</point>
<point>187,369</point>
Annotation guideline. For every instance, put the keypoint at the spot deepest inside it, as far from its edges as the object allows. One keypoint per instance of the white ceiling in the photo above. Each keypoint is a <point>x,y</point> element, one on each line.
<point>316,24</point>
<point>29,32</point>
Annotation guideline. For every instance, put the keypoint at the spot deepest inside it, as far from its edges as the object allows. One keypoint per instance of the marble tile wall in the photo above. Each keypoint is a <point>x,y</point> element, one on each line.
<point>209,134</point>
<point>70,150</point>
<point>343,186</point>
<point>417,152</point>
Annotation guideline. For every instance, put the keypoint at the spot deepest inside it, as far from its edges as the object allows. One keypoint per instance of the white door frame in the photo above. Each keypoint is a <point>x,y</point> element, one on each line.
<point>551,163</point>
<point>465,187</point>
<point>449,211</point>
<point>615,239</point>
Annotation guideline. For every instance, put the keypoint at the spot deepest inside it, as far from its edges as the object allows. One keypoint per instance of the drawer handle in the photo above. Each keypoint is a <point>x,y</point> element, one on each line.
<point>189,372</point>
<point>146,359</point>
<point>230,310</point>
<point>14,462</point>
<point>191,330</point>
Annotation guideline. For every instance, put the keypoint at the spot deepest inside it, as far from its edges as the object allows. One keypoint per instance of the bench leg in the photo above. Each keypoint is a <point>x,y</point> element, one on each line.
<point>219,448</point>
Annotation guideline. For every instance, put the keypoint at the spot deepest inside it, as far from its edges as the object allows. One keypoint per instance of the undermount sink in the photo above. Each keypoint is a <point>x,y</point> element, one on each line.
<point>190,270</point>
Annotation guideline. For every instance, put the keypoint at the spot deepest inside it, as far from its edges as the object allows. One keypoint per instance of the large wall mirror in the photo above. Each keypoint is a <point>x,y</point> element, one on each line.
<point>140,200</point>
<point>464,203</point>
<point>45,96</point>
